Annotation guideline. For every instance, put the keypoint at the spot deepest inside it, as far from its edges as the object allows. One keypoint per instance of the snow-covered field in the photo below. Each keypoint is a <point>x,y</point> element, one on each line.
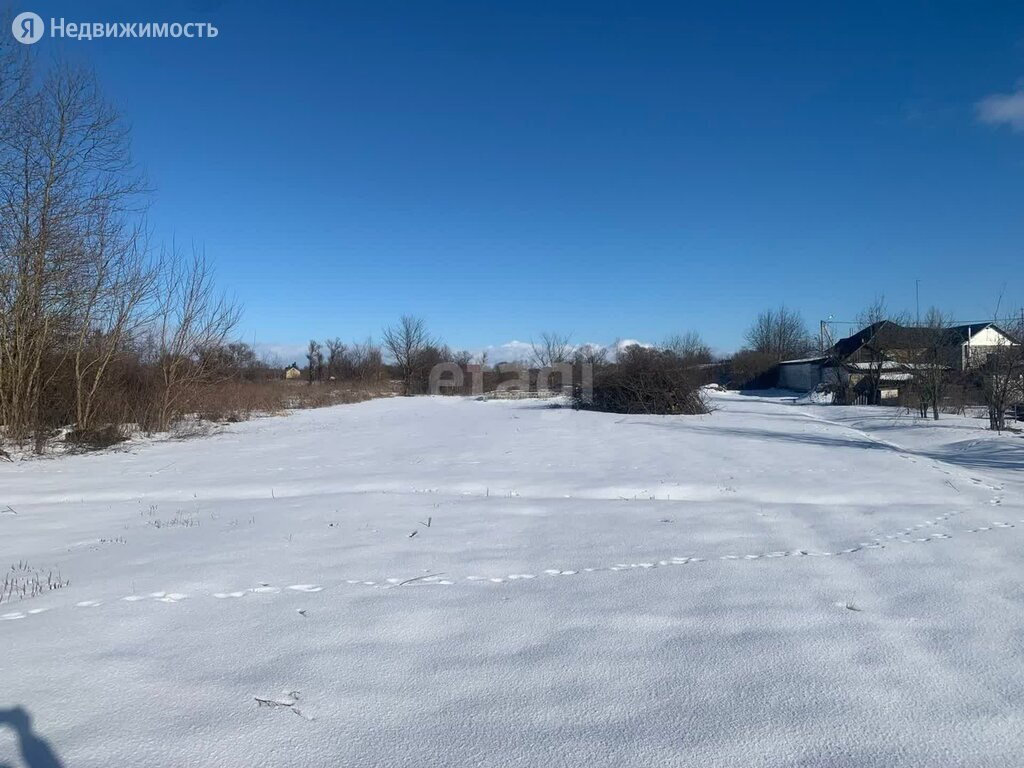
<point>773,584</point>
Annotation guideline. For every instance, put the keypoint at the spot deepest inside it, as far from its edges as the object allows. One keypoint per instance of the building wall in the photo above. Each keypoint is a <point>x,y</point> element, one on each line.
<point>988,337</point>
<point>983,343</point>
<point>802,377</point>
<point>895,354</point>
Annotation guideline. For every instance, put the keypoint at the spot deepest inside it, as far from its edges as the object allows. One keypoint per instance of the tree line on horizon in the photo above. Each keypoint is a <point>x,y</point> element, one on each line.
<point>103,332</point>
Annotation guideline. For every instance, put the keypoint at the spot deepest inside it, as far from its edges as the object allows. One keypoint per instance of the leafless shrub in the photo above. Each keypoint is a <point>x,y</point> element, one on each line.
<point>180,519</point>
<point>96,437</point>
<point>242,400</point>
<point>644,380</point>
<point>22,581</point>
<point>1002,377</point>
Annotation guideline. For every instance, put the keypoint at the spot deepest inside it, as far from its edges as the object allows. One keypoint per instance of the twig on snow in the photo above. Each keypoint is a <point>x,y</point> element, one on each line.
<point>418,578</point>
<point>289,702</point>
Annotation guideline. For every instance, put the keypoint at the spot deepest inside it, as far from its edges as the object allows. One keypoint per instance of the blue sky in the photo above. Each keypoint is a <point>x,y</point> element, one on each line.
<point>610,170</point>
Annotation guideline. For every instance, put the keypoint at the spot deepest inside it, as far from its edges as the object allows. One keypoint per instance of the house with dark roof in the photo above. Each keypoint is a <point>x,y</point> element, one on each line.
<point>877,362</point>
<point>962,346</point>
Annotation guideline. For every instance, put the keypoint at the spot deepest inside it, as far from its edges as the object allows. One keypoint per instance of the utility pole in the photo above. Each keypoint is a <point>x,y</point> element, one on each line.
<point>917,293</point>
<point>825,336</point>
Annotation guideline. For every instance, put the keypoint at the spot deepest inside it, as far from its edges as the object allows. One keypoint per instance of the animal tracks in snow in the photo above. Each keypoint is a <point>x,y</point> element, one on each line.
<point>266,589</point>
<point>15,615</point>
<point>903,536</point>
<point>177,597</point>
<point>163,597</point>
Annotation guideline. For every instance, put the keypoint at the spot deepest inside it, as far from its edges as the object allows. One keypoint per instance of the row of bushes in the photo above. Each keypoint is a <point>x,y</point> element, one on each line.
<point>134,397</point>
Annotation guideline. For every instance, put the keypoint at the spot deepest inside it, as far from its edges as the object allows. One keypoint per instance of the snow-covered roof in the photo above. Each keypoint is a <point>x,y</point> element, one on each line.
<point>897,376</point>
<point>888,365</point>
<point>804,360</point>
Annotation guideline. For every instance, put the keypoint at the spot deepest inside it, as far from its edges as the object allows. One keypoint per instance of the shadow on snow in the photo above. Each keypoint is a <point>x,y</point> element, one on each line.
<point>36,752</point>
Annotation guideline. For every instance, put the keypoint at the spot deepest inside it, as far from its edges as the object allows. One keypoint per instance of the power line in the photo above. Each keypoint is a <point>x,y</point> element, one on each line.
<point>975,321</point>
<point>917,298</point>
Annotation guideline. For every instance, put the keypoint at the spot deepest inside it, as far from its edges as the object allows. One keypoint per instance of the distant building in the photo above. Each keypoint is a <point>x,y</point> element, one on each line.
<point>292,372</point>
<point>884,357</point>
<point>805,374</point>
<point>962,346</point>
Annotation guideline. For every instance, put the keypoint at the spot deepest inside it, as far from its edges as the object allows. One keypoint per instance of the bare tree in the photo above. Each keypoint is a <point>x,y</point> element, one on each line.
<point>779,334</point>
<point>93,325</point>
<point>192,318</point>
<point>931,370</point>
<point>462,358</point>
<point>67,190</point>
<point>119,287</point>
<point>553,348</point>
<point>335,355</point>
<point>688,346</point>
<point>876,312</point>
<point>885,336</point>
<point>366,362</point>
<point>406,342</point>
<point>1003,375</point>
<point>590,354</point>
<point>314,361</point>
<point>433,354</point>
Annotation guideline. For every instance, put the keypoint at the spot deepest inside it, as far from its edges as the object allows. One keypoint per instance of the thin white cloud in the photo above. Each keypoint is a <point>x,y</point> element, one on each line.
<point>1003,109</point>
<point>510,351</point>
<point>282,354</point>
<point>516,351</point>
<point>622,344</point>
